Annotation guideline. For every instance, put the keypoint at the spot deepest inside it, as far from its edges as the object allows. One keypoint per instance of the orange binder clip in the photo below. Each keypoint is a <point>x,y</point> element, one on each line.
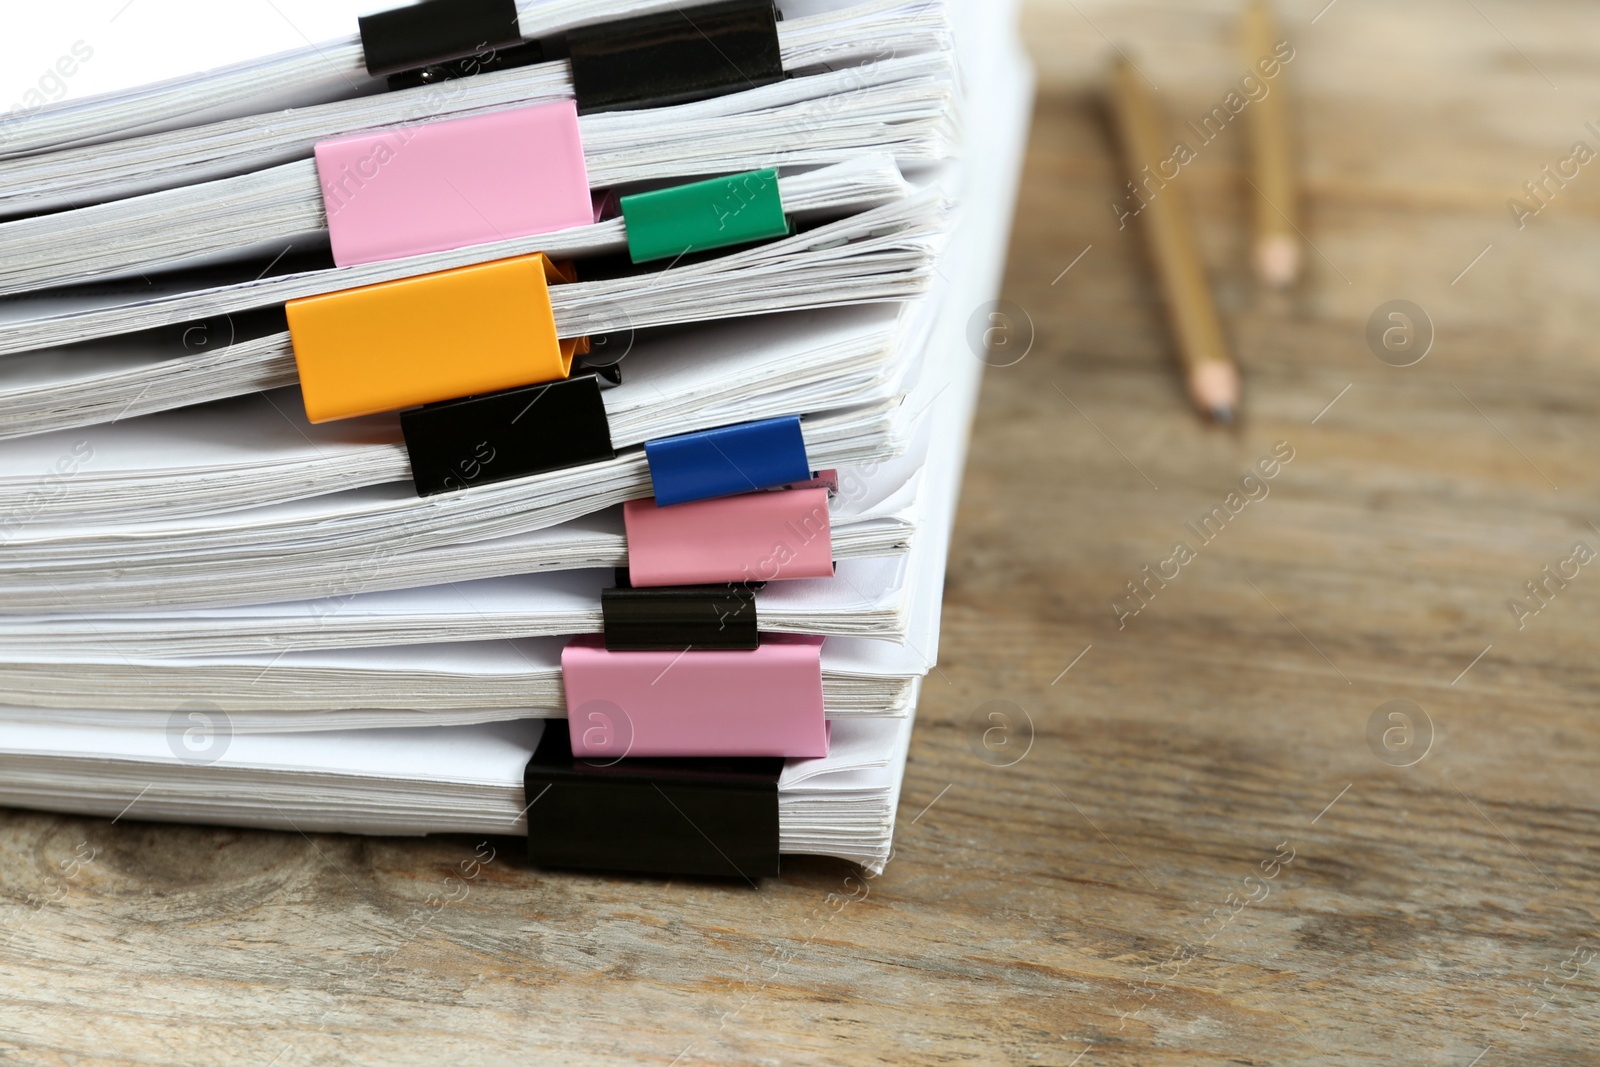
<point>434,337</point>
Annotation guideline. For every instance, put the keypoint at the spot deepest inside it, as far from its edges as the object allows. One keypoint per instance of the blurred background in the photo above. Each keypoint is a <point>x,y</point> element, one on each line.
<point>1435,111</point>
<point>1343,670</point>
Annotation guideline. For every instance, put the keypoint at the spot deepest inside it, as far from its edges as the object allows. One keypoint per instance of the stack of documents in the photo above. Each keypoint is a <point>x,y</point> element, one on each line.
<point>550,426</point>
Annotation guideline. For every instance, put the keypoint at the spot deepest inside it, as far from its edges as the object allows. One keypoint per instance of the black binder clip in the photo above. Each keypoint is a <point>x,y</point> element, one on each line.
<point>674,617</point>
<point>481,62</point>
<point>707,817</point>
<point>435,31</point>
<point>494,437</point>
<point>600,362</point>
<point>674,57</point>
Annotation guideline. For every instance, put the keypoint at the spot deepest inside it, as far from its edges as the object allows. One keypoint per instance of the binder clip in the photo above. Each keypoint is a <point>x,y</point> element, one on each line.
<point>454,183</point>
<point>679,617</point>
<point>478,440</point>
<point>705,817</point>
<point>765,701</point>
<point>727,460</point>
<point>488,58</point>
<point>428,338</point>
<point>755,537</point>
<point>675,56</point>
<point>434,31</point>
<point>715,213</point>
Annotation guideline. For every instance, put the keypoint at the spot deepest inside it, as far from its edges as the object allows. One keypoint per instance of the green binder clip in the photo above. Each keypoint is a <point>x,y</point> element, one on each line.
<point>738,209</point>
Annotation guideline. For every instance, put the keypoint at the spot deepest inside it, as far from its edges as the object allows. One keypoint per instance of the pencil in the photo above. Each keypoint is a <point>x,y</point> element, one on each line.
<point>1277,245</point>
<point>1209,370</point>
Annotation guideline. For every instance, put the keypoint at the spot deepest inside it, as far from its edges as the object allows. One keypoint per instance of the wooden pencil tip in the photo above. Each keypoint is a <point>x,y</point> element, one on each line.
<point>1214,384</point>
<point>1277,260</point>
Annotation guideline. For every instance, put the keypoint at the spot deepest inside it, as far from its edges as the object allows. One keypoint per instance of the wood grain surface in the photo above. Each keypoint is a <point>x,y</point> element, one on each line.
<point>1187,848</point>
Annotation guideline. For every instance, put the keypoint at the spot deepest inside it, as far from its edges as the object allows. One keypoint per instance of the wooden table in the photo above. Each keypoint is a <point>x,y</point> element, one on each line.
<point>1194,853</point>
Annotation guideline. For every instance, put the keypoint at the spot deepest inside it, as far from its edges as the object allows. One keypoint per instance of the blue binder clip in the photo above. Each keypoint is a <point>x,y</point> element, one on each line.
<point>728,460</point>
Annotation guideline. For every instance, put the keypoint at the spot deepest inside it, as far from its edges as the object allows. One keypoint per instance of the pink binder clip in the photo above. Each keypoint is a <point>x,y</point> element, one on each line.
<point>454,183</point>
<point>754,537</point>
<point>762,702</point>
